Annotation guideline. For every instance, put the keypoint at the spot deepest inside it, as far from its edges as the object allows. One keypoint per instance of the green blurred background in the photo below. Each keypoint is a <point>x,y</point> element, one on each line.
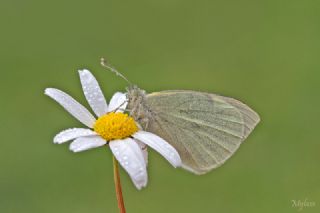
<point>265,53</point>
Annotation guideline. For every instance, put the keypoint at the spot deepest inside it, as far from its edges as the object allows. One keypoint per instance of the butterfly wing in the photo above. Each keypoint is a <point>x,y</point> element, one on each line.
<point>206,129</point>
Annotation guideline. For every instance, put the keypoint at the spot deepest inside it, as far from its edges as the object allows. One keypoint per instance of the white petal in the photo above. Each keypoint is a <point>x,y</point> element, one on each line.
<point>160,145</point>
<point>71,134</point>
<point>144,149</point>
<point>118,101</point>
<point>93,93</point>
<point>85,143</point>
<point>129,155</point>
<point>72,106</point>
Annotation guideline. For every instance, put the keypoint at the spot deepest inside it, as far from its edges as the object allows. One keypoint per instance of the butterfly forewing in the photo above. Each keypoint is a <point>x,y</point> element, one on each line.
<point>206,129</point>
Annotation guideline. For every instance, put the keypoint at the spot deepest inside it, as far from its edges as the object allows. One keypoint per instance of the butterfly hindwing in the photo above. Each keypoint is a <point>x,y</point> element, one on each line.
<point>206,129</point>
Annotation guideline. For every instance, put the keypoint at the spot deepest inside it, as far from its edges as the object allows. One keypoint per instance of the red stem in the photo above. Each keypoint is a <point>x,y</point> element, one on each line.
<point>117,184</point>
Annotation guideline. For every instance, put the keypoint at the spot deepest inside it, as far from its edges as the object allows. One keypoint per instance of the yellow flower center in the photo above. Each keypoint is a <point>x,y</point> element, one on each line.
<point>115,125</point>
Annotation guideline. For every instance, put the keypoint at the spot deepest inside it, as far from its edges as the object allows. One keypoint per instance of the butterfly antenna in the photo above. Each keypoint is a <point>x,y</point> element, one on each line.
<point>106,65</point>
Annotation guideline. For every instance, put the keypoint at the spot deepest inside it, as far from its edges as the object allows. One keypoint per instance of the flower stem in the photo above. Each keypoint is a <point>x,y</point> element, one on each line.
<point>117,183</point>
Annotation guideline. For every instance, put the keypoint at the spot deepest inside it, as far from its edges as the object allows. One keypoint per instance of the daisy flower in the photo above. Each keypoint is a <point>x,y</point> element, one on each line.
<point>112,127</point>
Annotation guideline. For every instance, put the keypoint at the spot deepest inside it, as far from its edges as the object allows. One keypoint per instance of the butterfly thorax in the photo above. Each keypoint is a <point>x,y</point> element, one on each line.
<point>137,106</point>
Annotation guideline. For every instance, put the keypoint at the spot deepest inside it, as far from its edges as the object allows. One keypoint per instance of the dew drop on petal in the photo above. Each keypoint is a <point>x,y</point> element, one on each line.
<point>171,155</point>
